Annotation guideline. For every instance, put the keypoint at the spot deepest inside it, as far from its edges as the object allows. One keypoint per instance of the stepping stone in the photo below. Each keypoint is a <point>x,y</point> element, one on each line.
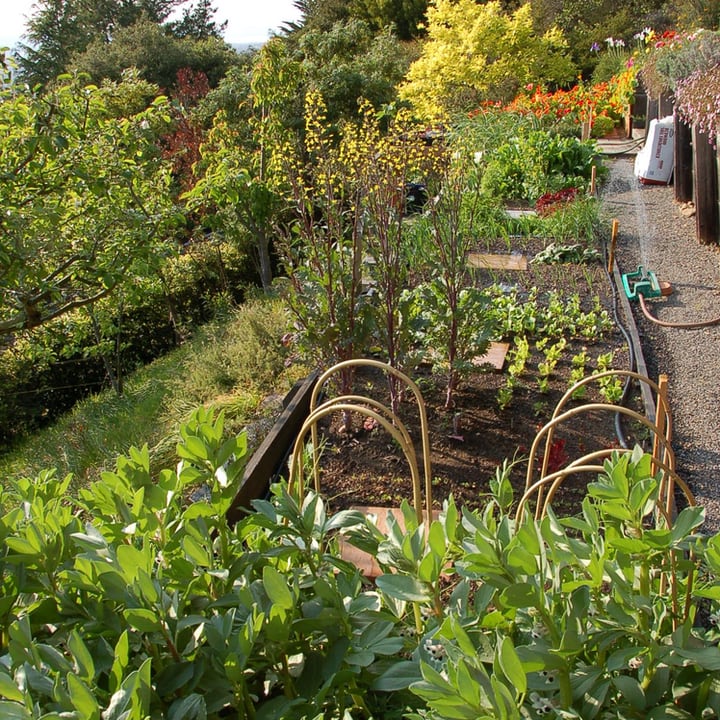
<point>491,261</point>
<point>495,356</point>
<point>363,561</point>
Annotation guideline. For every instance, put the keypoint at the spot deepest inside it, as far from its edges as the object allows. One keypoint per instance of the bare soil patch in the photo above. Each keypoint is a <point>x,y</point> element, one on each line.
<point>473,439</point>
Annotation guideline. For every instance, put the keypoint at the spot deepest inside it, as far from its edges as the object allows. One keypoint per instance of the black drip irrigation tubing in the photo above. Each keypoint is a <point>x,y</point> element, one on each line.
<point>623,151</point>
<point>632,350</point>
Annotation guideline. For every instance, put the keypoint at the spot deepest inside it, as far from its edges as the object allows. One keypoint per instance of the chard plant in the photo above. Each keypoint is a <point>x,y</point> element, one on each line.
<point>535,162</point>
<point>551,357</point>
<point>611,388</point>
<point>520,356</point>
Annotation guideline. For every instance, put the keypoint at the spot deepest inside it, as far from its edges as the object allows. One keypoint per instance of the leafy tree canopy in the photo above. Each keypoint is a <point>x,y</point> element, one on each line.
<point>406,17</point>
<point>84,196</point>
<point>349,62</point>
<point>60,29</point>
<point>477,52</point>
<point>157,55</point>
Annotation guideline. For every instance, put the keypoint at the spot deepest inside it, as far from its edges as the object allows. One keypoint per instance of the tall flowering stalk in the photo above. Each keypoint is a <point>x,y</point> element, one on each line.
<point>382,165</point>
<point>323,249</point>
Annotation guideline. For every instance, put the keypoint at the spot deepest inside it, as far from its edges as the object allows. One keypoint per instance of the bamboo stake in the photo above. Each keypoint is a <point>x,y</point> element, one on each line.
<point>658,453</point>
<point>613,242</point>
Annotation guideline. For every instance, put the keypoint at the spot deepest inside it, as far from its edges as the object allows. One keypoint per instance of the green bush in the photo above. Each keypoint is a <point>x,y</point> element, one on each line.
<point>537,162</point>
<point>130,601</point>
<point>44,372</point>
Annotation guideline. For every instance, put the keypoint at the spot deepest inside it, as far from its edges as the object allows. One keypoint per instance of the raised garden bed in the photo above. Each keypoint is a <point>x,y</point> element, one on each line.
<point>471,441</point>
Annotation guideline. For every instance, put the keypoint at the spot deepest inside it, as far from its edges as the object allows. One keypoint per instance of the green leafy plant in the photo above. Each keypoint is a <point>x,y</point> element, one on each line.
<point>578,364</point>
<point>535,163</point>
<point>457,318</point>
<point>611,387</point>
<point>552,354</point>
<point>571,616</point>
<point>557,254</point>
<point>134,602</point>
<point>520,357</point>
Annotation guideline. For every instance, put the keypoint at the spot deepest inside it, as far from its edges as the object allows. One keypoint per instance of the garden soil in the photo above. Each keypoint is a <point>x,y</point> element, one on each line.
<point>474,440</point>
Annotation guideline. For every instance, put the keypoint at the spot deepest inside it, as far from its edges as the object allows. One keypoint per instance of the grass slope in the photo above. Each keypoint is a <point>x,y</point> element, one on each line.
<point>232,363</point>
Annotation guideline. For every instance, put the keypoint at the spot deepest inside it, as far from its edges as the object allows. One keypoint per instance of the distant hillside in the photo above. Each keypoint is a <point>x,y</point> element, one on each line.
<point>244,47</point>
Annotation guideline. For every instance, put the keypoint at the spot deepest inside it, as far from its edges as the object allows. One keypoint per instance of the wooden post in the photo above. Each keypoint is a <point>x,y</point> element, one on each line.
<point>660,451</point>
<point>593,180</point>
<point>628,122</point>
<point>651,112</point>
<point>683,161</point>
<point>665,105</point>
<point>707,215</point>
<point>640,108</point>
<point>269,457</point>
<point>613,242</point>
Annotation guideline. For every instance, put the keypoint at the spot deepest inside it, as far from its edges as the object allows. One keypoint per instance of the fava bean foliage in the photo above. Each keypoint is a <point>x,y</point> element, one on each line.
<point>138,599</point>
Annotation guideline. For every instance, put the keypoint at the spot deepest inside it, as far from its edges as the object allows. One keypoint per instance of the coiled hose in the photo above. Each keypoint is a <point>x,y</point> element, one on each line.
<point>681,325</point>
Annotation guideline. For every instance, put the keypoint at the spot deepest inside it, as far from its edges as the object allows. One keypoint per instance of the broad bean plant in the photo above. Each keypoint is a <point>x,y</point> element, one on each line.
<point>138,599</point>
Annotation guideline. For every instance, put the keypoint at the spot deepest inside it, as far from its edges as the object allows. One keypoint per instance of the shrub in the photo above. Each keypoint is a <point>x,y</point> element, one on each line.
<point>130,601</point>
<point>44,372</point>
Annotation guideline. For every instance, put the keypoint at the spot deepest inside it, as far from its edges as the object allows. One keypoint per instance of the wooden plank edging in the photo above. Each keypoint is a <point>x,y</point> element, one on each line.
<point>267,460</point>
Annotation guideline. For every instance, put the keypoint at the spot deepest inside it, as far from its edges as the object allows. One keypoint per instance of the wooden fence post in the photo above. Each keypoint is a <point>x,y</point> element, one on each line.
<point>652,108</point>
<point>707,215</point>
<point>665,106</point>
<point>683,161</point>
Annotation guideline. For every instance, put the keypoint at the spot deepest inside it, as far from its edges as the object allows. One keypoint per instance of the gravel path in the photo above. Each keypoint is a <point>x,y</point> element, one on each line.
<point>654,234</point>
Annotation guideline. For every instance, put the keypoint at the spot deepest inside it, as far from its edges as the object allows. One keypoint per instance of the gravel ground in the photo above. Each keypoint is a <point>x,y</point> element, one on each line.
<point>654,234</point>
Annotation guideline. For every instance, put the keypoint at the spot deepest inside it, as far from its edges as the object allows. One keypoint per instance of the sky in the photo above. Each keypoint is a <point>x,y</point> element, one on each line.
<point>249,21</point>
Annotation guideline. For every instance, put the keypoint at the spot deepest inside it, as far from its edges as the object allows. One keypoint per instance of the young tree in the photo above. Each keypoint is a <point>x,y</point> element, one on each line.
<point>84,197</point>
<point>476,52</point>
<point>450,313</point>
<point>198,22</point>
<point>241,180</point>
<point>158,56</point>
<point>407,17</point>
<point>58,30</point>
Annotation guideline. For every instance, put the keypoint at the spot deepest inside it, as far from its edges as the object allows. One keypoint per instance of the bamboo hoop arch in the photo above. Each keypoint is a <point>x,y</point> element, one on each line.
<point>396,429</point>
<point>424,428</point>
<point>549,427</point>
<point>666,429</point>
<point>556,479</point>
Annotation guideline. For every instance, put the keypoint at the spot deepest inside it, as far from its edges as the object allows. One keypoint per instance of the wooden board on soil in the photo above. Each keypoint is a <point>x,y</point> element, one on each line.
<point>494,357</point>
<point>363,561</point>
<point>494,261</point>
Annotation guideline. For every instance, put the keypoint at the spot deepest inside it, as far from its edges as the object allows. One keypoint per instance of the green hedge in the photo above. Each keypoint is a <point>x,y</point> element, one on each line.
<point>44,372</point>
